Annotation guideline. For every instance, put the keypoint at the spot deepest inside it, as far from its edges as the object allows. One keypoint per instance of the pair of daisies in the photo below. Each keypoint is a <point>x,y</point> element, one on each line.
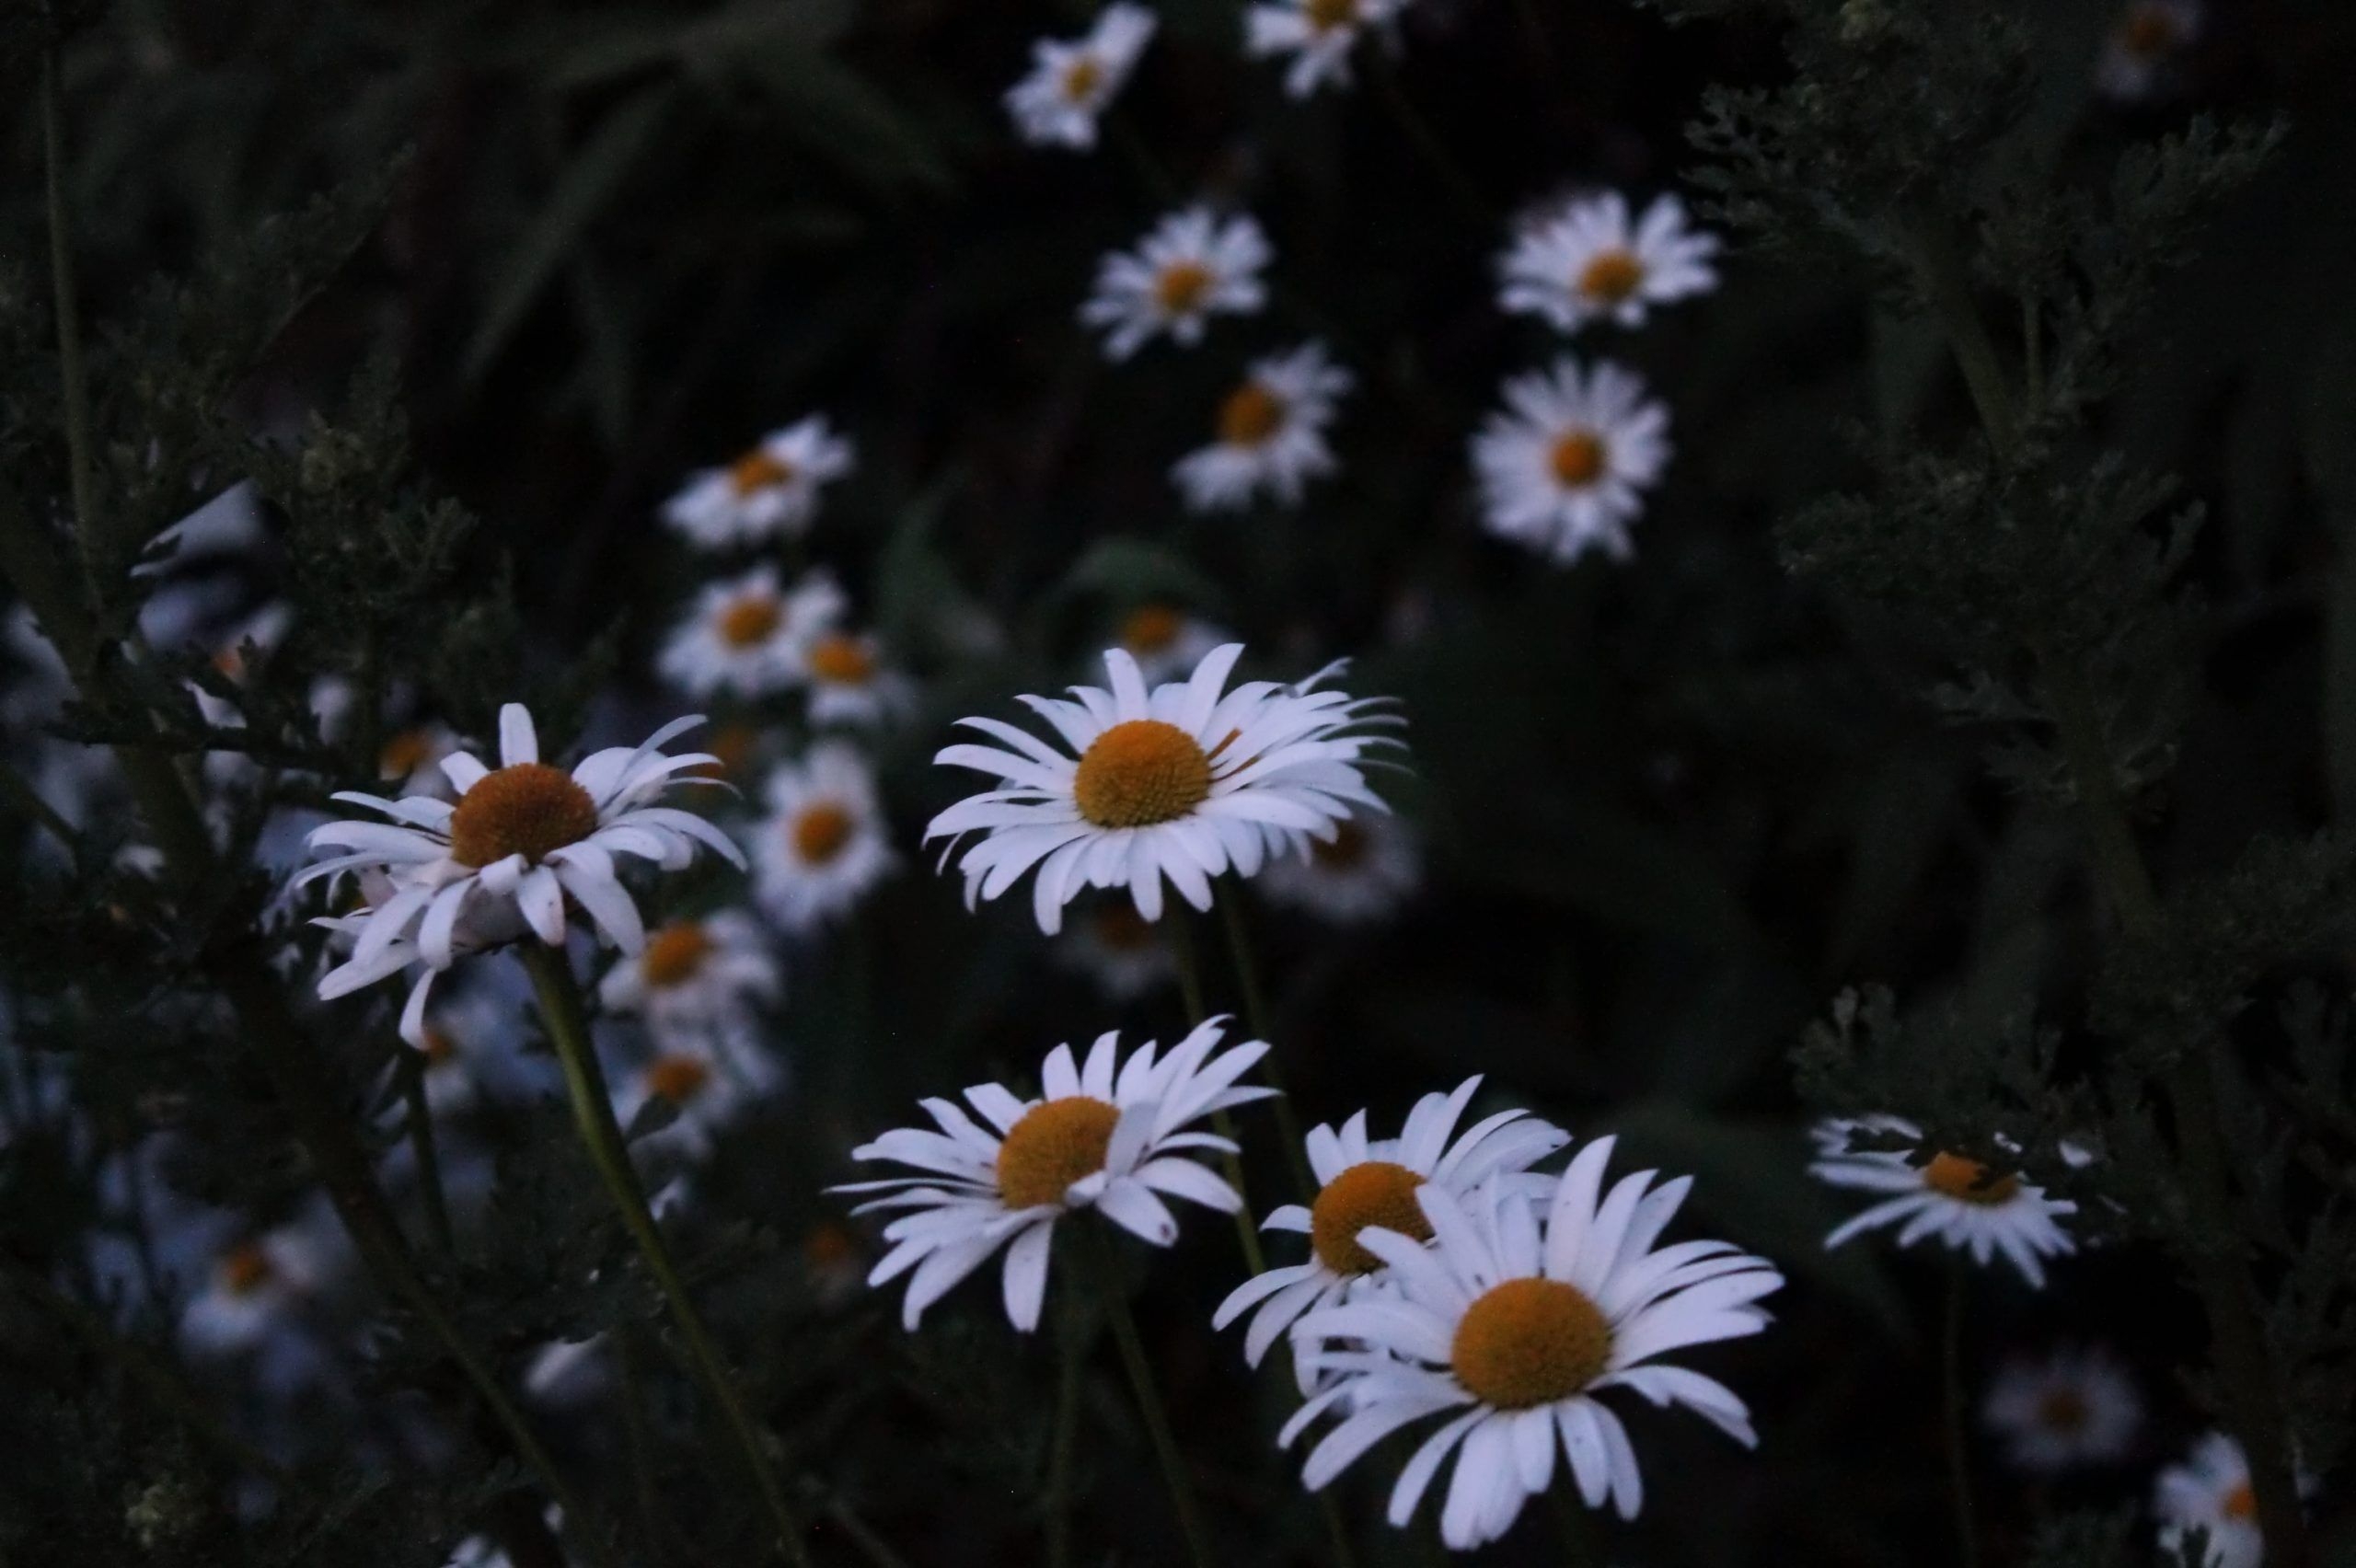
<point>753,637</point>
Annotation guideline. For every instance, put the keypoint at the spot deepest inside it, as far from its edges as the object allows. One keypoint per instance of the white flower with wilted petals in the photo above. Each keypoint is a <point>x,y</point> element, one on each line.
<point>1179,782</point>
<point>1193,266</point>
<point>1318,34</point>
<point>1564,465</point>
<point>1948,1195</point>
<point>696,979</point>
<point>2071,1409</point>
<point>1073,82</point>
<point>1527,1322</point>
<point>749,635</point>
<point>771,490</point>
<point>825,840</point>
<point>1592,261</point>
<point>1364,872</point>
<point>2146,47</point>
<point>1108,1136</point>
<point>2210,1492</point>
<point>1271,434</point>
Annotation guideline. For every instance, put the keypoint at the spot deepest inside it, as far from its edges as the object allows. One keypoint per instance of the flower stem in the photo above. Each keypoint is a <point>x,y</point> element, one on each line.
<point>1430,147</point>
<point>1055,1506</point>
<point>1967,1527</point>
<point>1190,988</point>
<point>429,1161</point>
<point>1255,1014</point>
<point>1149,1397</point>
<point>592,1113</point>
<point>73,383</point>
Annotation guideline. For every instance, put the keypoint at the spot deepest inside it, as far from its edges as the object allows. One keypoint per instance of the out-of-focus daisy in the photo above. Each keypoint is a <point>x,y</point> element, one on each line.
<point>1527,1325</point>
<point>1165,641</point>
<point>1938,1192</point>
<point>2210,1492</point>
<point>1117,948</point>
<point>1072,82</point>
<point>704,1086</point>
<point>1363,1181</point>
<point>411,758</point>
<point>1193,265</point>
<point>1364,872</point>
<point>1318,34</point>
<point>1271,433</point>
<point>769,491</point>
<point>2072,1408</point>
<point>824,842</point>
<point>748,635</point>
<point>1564,464</point>
<point>1592,260</point>
<point>849,682</point>
<point>1179,782</point>
<point>834,1262</point>
<point>1108,1136</point>
<point>253,1303</point>
<point>2140,55</point>
<point>696,979</point>
<point>522,836</point>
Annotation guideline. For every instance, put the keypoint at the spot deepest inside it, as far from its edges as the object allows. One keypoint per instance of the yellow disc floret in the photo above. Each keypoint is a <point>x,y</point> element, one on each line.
<point>1324,15</point>
<point>1529,1341</point>
<point>1141,772</point>
<point>1967,1180</point>
<point>749,621</point>
<point>821,830</point>
<point>674,954</point>
<point>246,1268</point>
<point>1054,1144</point>
<point>527,809</point>
<point>1376,1191</point>
<point>1081,78</point>
<point>838,659</point>
<point>677,1079</point>
<point>1575,458</point>
<point>1249,416</point>
<point>1181,287</point>
<point>1611,276</point>
<point>757,470</point>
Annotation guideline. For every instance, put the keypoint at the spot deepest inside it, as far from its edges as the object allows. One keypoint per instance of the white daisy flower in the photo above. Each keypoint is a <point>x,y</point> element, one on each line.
<point>1948,1195</point>
<point>771,490</point>
<point>695,979</point>
<point>1526,1324</point>
<point>1119,949</point>
<point>1109,1140</point>
<point>1181,782</point>
<point>258,1286</point>
<point>704,1086</point>
<point>1166,642</point>
<point>462,1043</point>
<point>849,683</point>
<point>748,635</point>
<point>1193,266</point>
<point>1318,34</point>
<point>1564,465</point>
<point>1271,433</point>
<point>1592,260</point>
<point>2210,1492</point>
<point>1072,82</point>
<point>2072,1408</point>
<point>1364,872</point>
<point>825,841</point>
<point>521,838</point>
<point>1363,1181</point>
<point>2144,48</point>
<point>412,759</point>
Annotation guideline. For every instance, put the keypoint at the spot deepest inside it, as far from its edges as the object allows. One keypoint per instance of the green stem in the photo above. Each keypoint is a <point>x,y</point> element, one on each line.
<point>1432,150</point>
<point>638,1433</point>
<point>1055,1506</point>
<point>1941,271</point>
<point>601,1134</point>
<point>72,380</point>
<point>429,1159</point>
<point>1229,900</point>
<point>1190,990</point>
<point>1967,1526</point>
<point>1149,1397</point>
<point>871,1546</point>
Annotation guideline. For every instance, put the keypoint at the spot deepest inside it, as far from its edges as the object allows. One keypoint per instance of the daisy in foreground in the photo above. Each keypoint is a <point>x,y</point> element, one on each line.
<point>1271,433</point>
<point>1592,260</point>
<point>1564,465</point>
<point>1108,1136</point>
<point>1936,1193</point>
<point>2210,1492</point>
<point>1071,82</point>
<point>1318,34</point>
<point>1363,1181</point>
<point>1526,1323</point>
<point>2073,1408</point>
<point>1179,782</point>
<point>769,491</point>
<point>1193,265</point>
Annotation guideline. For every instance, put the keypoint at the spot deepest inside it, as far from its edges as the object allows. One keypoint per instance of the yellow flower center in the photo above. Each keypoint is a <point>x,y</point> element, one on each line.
<point>1576,458</point>
<point>1139,773</point>
<point>1611,276</point>
<point>529,809</point>
<point>750,621</point>
<point>405,754</point>
<point>674,954</point>
<point>1967,1180</point>
<point>2241,1504</point>
<point>841,659</point>
<point>1120,928</point>
<point>1081,78</point>
<point>2150,33</point>
<point>2063,1410</point>
<point>1151,628</point>
<point>1375,1193</point>
<point>1181,287</point>
<point>439,1050</point>
<point>732,746</point>
<point>757,470</point>
<point>677,1079</point>
<point>821,830</point>
<point>246,1268</point>
<point>1529,1341</point>
<point>1345,853</point>
<point>1249,416</point>
<point>1326,15</point>
<point>1053,1146</point>
<point>828,1246</point>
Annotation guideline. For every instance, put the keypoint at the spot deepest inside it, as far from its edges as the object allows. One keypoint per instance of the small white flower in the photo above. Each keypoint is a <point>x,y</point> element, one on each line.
<point>1107,1135</point>
<point>824,842</point>
<point>1527,1324</point>
<point>1071,82</point>
<point>1193,266</point>
<point>1936,1193</point>
<point>1364,872</point>
<point>1119,949</point>
<point>749,635</point>
<point>1318,34</point>
<point>2146,47</point>
<point>771,490</point>
<point>1592,261</point>
<point>2210,1492</point>
<point>1166,642</point>
<point>850,684</point>
<point>257,1288</point>
<point>469,1045</point>
<point>1561,466</point>
<point>412,759</point>
<point>697,979</point>
<point>1180,782</point>
<point>705,1085</point>
<point>1271,433</point>
<point>2071,1409</point>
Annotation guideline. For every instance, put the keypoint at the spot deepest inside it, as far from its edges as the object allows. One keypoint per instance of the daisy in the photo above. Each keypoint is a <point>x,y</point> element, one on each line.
<point>696,979</point>
<point>1165,641</point>
<point>769,491</point>
<point>1101,1138</point>
<point>1526,1324</point>
<point>1363,1181</point>
<point>1115,947</point>
<point>1957,1199</point>
<point>2140,57</point>
<point>2071,1409</point>
<point>258,1286</point>
<point>1071,82</point>
<point>824,842</point>
<point>1562,466</point>
<point>748,636</point>
<point>1192,266</point>
<point>1181,782</point>
<point>1365,871</point>
<point>850,684</point>
<point>1318,34</point>
<point>703,1086</point>
<point>1271,433</point>
<point>2210,1492</point>
<point>520,839</point>
<point>1592,260</point>
<point>412,759</point>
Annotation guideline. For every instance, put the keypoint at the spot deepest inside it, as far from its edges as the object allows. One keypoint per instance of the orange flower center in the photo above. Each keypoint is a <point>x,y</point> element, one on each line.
<point>1151,628</point>
<point>1326,15</point>
<point>1576,458</point>
<point>1139,773</point>
<point>405,754</point>
<point>733,745</point>
<point>439,1050</point>
<point>677,1079</point>
<point>2150,33</point>
<point>757,470</point>
<point>828,1246</point>
<point>246,1268</point>
<point>1181,287</point>
<point>1967,1180</point>
<point>750,621</point>
<point>1053,1146</point>
<point>1346,852</point>
<point>841,660</point>
<point>1529,1341</point>
<point>2063,1410</point>
<point>529,809</point>
<point>674,954</point>
<point>1611,276</point>
<point>1120,928</point>
<point>1081,78</point>
<point>1375,1193</point>
<point>2241,1504</point>
<point>1249,416</point>
<point>821,830</point>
